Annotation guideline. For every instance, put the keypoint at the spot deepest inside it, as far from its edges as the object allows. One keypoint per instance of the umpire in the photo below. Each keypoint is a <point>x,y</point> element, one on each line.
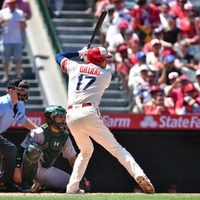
<point>12,110</point>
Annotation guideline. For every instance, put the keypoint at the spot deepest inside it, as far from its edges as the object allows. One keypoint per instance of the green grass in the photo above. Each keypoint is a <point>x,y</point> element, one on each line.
<point>99,196</point>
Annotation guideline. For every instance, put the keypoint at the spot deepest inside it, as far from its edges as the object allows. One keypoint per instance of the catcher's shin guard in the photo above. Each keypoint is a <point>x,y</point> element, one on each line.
<point>30,162</point>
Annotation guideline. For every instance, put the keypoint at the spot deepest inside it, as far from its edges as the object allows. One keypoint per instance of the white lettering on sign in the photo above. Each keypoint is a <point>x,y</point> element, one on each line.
<point>117,122</point>
<point>180,122</point>
<point>148,122</point>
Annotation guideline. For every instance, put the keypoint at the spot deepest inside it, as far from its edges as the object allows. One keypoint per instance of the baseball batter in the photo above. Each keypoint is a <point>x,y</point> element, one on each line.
<point>87,83</point>
<point>39,151</point>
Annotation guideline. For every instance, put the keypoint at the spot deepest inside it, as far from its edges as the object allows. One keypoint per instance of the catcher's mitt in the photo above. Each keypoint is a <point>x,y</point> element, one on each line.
<point>85,185</point>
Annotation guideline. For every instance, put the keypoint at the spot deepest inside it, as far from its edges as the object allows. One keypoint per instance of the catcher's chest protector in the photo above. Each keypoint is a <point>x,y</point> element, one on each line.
<point>53,146</point>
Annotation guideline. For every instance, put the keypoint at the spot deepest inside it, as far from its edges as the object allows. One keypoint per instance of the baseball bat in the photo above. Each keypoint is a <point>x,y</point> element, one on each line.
<point>97,27</point>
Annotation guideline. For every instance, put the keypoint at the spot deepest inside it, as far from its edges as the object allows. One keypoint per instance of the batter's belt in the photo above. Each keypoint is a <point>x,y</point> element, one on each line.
<point>79,105</point>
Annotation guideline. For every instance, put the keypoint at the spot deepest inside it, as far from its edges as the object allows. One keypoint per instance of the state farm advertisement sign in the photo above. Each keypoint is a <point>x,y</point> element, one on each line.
<point>131,121</point>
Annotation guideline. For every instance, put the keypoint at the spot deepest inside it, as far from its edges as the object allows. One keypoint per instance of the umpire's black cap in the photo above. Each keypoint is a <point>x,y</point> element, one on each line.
<point>12,84</point>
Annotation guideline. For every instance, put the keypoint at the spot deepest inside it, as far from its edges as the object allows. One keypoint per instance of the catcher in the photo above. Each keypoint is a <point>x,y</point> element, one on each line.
<point>39,151</point>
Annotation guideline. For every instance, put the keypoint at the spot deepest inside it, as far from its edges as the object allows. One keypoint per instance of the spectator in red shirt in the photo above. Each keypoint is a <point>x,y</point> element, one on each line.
<point>154,89</point>
<point>188,90</point>
<point>123,67</point>
<point>178,8</point>
<point>159,107</point>
<point>145,17</point>
<point>187,24</point>
<point>175,89</point>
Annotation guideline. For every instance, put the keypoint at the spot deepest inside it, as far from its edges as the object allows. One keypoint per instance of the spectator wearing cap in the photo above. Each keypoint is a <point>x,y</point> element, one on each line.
<point>142,92</point>
<point>135,71</point>
<point>118,38</point>
<point>154,89</point>
<point>156,33</point>
<point>154,57</point>
<point>121,14</point>
<point>190,106</point>
<point>168,66</point>
<point>159,107</point>
<point>12,110</point>
<point>175,89</point>
<point>188,90</point>
<point>185,61</point>
<point>142,78</point>
<point>12,18</point>
<point>124,66</point>
<point>133,48</point>
<point>141,22</point>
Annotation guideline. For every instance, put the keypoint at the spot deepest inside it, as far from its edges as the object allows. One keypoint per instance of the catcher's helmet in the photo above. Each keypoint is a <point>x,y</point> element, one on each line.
<point>97,55</point>
<point>52,111</point>
<point>21,86</point>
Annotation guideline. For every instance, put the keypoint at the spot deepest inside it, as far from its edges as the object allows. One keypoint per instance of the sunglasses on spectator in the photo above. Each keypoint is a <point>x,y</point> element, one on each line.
<point>154,92</point>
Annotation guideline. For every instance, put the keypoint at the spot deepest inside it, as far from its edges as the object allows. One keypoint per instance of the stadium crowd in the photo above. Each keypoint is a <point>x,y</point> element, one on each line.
<point>155,48</point>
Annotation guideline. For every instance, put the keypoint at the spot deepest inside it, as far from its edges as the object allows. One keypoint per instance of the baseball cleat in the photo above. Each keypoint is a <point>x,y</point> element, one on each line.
<point>79,191</point>
<point>35,187</point>
<point>145,184</point>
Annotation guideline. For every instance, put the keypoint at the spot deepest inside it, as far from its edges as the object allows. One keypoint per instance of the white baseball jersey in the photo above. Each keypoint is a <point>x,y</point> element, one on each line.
<point>87,82</point>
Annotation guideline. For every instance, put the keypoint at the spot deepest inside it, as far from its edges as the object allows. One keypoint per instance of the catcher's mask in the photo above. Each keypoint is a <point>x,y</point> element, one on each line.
<point>50,113</point>
<point>21,86</point>
<point>97,55</point>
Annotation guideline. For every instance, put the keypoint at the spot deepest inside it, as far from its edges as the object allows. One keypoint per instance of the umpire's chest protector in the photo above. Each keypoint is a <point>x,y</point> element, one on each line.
<point>53,146</point>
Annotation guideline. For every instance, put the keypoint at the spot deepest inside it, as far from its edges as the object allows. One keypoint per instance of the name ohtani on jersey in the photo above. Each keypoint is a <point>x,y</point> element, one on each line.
<point>90,70</point>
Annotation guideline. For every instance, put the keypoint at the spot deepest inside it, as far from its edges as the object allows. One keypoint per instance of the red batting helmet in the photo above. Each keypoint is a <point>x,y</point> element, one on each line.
<point>97,55</point>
